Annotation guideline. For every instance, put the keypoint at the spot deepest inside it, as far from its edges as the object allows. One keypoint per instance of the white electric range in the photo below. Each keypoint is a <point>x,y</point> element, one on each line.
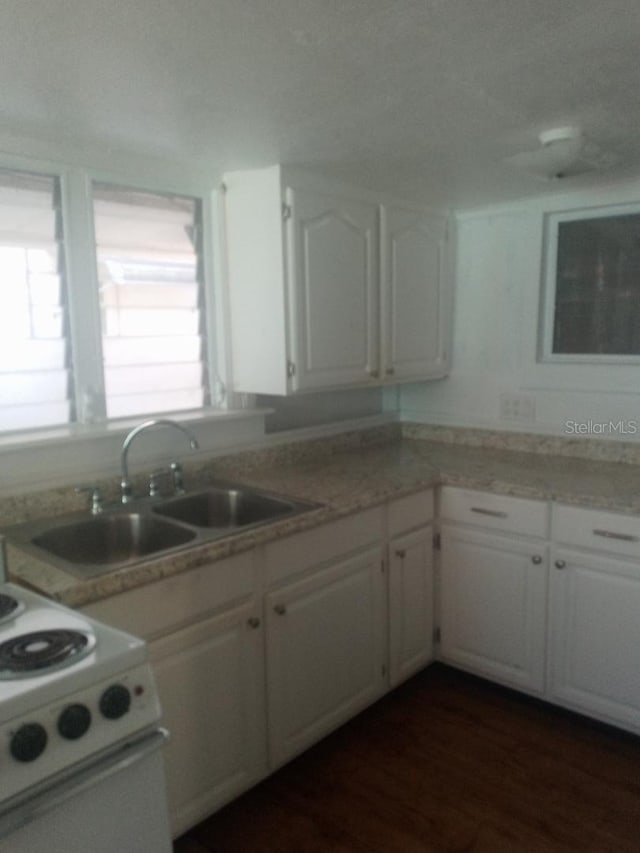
<point>80,764</point>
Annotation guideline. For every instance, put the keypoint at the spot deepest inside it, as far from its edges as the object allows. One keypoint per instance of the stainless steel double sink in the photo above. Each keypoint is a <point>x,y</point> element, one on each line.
<point>88,546</point>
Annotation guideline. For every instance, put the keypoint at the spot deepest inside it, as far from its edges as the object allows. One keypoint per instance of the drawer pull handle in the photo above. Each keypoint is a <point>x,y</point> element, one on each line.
<point>560,564</point>
<point>495,513</point>
<point>609,534</point>
<point>401,553</point>
<point>280,609</point>
<point>536,559</point>
<point>253,622</point>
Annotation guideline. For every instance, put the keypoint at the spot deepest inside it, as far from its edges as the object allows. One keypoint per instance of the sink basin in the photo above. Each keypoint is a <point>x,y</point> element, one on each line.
<point>228,508</point>
<point>110,541</point>
<point>91,546</point>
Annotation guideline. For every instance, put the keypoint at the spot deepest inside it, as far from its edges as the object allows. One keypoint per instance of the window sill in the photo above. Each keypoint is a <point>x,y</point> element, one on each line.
<point>50,436</point>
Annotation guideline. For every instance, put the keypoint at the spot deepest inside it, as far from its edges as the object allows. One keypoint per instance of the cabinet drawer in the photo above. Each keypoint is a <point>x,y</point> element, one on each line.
<point>297,554</point>
<point>410,512</point>
<point>495,512</point>
<point>157,608</point>
<point>597,530</point>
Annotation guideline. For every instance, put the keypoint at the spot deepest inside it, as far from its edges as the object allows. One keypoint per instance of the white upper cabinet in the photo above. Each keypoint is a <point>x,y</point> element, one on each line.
<point>333,289</point>
<point>309,306</point>
<point>414,304</point>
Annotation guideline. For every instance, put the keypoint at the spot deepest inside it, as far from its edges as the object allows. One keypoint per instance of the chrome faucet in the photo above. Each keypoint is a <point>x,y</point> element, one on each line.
<point>126,493</point>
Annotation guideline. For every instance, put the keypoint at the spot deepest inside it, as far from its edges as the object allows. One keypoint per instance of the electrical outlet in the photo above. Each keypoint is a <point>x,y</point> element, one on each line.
<point>517,407</point>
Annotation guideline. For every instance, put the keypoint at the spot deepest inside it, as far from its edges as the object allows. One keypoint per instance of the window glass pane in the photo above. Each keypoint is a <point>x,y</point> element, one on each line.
<point>35,387</point>
<point>149,268</point>
<point>597,302</point>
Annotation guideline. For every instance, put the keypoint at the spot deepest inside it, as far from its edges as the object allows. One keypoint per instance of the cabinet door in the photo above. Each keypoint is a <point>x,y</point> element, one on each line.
<point>595,636</point>
<point>494,606</point>
<point>325,651</point>
<point>410,603</point>
<point>414,307</point>
<point>210,678</point>
<point>333,290</point>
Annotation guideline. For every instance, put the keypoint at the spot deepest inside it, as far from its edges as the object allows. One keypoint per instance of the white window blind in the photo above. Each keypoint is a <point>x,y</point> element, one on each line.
<point>149,269</point>
<point>34,353</point>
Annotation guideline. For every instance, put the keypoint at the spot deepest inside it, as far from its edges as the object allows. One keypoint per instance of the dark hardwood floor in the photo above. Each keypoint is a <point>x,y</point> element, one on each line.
<point>445,763</point>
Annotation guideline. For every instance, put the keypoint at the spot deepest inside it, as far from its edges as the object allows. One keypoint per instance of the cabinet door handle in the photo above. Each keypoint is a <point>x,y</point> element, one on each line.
<point>609,534</point>
<point>280,609</point>
<point>560,564</point>
<point>495,513</point>
<point>374,374</point>
<point>536,559</point>
<point>401,553</point>
<point>390,371</point>
<point>253,622</point>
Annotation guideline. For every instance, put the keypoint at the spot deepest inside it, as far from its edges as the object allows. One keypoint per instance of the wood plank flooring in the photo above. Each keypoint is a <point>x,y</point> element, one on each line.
<point>445,764</point>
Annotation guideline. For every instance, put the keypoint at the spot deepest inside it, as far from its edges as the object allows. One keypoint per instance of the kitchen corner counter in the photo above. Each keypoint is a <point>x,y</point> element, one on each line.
<point>353,479</point>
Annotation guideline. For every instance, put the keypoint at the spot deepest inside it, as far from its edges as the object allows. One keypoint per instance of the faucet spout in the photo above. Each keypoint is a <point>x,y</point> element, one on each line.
<point>126,493</point>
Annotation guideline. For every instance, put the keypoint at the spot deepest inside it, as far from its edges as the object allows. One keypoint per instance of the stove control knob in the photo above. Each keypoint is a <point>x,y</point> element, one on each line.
<point>74,721</point>
<point>28,742</point>
<point>115,702</point>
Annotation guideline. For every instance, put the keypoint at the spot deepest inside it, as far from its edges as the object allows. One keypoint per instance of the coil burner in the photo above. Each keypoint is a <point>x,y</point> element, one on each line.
<point>41,651</point>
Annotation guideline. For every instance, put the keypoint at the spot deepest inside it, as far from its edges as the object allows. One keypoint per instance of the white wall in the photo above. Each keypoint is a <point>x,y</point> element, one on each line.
<point>499,266</point>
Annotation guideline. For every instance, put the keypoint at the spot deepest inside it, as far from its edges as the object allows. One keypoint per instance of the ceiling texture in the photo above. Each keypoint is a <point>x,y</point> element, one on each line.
<point>422,99</point>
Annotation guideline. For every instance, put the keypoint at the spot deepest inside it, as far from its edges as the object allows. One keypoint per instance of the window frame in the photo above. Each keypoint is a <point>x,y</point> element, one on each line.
<point>551,228</point>
<point>84,326</point>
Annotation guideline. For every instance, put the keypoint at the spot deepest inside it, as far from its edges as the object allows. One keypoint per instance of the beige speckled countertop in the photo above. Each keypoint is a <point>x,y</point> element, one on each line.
<point>347,478</point>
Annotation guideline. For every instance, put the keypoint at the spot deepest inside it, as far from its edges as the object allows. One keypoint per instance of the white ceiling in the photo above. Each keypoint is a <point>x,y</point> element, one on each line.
<point>418,98</point>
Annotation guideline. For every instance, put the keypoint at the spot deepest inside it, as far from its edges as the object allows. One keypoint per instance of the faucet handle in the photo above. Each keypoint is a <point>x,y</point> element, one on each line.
<point>177,477</point>
<point>126,492</point>
<point>96,497</point>
<point>154,481</point>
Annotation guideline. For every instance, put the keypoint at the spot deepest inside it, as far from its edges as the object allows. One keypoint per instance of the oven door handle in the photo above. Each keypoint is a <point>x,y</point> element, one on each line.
<point>22,811</point>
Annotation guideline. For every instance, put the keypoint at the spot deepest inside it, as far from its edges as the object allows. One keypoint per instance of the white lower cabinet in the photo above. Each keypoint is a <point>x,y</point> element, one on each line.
<point>411,603</point>
<point>206,646</point>
<point>260,655</point>
<point>595,635</point>
<point>309,617</point>
<point>493,606</point>
<point>210,680</point>
<point>326,651</point>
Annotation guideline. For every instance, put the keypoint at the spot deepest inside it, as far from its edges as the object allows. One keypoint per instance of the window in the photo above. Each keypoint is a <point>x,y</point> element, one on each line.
<point>102,301</point>
<point>35,387</point>
<point>593,285</point>
<point>150,275</point>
